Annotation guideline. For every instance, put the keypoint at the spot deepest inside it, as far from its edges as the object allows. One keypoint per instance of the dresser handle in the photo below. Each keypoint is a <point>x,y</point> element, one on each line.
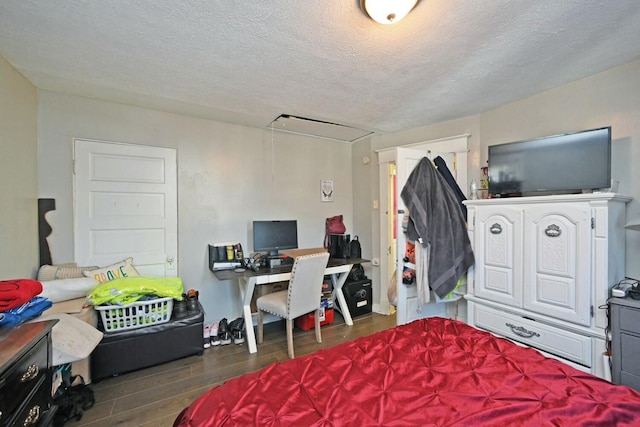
<point>495,229</point>
<point>553,231</point>
<point>522,332</point>
<point>33,417</point>
<point>32,372</point>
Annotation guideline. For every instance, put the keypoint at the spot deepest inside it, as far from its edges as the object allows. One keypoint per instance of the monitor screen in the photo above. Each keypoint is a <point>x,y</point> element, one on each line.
<point>558,164</point>
<point>270,236</point>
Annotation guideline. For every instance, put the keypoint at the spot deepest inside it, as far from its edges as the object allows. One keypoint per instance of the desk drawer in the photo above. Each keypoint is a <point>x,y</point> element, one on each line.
<point>560,342</point>
<point>22,378</point>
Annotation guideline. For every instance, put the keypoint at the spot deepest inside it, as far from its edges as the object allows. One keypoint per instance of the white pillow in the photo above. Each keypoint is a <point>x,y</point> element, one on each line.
<point>120,269</point>
<point>67,289</point>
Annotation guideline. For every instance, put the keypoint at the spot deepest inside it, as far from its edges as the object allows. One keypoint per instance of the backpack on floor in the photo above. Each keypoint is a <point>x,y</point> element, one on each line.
<point>72,399</point>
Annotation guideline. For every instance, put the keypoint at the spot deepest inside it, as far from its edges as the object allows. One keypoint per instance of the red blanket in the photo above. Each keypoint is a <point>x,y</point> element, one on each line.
<point>14,293</point>
<point>432,372</point>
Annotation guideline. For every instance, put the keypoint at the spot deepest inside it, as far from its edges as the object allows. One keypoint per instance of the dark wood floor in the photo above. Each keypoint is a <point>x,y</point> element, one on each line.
<point>154,396</point>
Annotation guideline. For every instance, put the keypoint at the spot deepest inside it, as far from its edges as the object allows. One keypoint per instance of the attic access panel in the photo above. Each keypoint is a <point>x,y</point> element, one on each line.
<point>317,128</point>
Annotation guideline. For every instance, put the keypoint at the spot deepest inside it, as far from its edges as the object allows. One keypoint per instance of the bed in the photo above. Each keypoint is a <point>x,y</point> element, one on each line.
<point>432,372</point>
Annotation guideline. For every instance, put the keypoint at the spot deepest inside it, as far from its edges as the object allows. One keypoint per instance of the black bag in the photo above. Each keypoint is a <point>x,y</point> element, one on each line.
<point>356,274</point>
<point>71,400</point>
<point>355,251</point>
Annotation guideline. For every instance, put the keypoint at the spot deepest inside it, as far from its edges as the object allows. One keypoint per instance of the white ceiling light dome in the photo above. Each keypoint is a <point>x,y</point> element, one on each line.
<point>387,11</point>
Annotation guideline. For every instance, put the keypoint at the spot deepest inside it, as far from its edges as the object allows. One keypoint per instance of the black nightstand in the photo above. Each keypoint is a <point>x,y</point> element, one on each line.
<point>625,341</point>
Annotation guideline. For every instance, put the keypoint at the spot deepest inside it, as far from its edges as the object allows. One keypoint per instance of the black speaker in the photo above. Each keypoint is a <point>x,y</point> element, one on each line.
<point>359,296</point>
<point>339,245</point>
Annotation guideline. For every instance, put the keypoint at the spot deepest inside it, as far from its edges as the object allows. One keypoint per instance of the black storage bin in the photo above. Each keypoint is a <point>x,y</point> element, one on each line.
<point>359,296</point>
<point>129,350</point>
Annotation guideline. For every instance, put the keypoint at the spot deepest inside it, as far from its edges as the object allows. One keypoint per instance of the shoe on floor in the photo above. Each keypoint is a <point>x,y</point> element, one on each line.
<point>237,330</point>
<point>206,336</point>
<point>214,338</point>
<point>224,334</point>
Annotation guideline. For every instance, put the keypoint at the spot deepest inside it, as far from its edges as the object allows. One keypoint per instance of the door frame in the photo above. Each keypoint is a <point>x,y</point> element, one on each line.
<point>459,145</point>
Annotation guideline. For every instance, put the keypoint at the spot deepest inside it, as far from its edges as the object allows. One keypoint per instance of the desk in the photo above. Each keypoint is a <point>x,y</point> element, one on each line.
<point>338,269</point>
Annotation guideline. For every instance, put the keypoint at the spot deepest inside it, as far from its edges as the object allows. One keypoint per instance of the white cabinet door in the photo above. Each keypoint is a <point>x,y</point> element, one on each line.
<point>557,247</point>
<point>498,252</point>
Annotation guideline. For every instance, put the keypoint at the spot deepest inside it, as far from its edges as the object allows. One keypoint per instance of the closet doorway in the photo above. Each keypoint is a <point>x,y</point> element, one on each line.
<point>395,164</point>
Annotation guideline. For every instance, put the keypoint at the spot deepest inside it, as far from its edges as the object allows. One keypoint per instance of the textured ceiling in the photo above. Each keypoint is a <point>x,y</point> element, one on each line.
<point>249,61</point>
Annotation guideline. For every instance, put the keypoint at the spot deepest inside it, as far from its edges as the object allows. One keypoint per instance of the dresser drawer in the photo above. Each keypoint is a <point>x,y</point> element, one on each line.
<point>21,378</point>
<point>34,409</point>
<point>565,344</point>
<point>630,320</point>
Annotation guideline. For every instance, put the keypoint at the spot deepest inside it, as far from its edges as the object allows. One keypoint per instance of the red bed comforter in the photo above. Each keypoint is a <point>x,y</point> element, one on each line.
<point>432,372</point>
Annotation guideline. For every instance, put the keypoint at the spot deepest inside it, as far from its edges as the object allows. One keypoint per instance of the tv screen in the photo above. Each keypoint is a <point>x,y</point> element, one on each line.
<point>270,236</point>
<point>560,164</point>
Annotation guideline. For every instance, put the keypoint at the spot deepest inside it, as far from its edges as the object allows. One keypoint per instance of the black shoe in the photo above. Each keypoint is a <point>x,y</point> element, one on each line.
<point>180,309</point>
<point>223,332</point>
<point>193,306</point>
<point>237,330</point>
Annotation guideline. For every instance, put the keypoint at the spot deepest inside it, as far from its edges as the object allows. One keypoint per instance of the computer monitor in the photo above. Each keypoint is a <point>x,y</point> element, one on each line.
<point>271,236</point>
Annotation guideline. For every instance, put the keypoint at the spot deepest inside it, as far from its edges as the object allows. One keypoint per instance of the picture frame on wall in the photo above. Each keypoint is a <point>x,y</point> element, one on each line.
<point>326,191</point>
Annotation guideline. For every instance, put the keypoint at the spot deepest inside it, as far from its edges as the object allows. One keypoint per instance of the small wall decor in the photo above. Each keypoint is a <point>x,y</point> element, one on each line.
<point>326,191</point>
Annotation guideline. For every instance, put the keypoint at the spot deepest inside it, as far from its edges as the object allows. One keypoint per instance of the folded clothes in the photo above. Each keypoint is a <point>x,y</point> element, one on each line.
<point>14,293</point>
<point>32,308</point>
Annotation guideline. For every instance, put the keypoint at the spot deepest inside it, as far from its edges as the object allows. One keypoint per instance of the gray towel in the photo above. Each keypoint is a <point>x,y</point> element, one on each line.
<point>435,217</point>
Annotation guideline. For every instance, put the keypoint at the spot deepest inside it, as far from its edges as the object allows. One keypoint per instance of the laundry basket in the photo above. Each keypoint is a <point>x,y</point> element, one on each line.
<point>136,315</point>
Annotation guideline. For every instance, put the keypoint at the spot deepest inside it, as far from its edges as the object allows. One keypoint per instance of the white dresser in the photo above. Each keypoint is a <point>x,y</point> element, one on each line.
<point>544,267</point>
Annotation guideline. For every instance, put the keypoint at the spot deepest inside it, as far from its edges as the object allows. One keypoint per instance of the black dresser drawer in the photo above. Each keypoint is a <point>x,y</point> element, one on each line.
<point>35,408</point>
<point>25,376</point>
<point>22,378</point>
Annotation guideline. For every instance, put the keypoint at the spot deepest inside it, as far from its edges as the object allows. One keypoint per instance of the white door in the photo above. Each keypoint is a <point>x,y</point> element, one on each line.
<point>558,253</point>
<point>126,206</point>
<point>408,310</point>
<point>498,251</point>
<point>454,152</point>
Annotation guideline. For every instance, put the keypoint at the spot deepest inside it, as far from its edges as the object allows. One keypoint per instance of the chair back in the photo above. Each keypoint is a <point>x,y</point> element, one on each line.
<point>305,285</point>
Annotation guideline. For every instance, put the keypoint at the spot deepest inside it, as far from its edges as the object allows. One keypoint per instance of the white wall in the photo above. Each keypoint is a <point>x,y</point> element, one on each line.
<point>608,98</point>
<point>18,175</point>
<point>213,208</point>
<point>228,175</point>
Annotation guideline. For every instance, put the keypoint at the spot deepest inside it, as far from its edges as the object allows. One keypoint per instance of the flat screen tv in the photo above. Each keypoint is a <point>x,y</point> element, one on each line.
<point>271,236</point>
<point>559,164</point>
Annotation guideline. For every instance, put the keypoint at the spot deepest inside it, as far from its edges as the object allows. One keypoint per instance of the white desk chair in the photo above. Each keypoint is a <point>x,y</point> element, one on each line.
<point>302,297</point>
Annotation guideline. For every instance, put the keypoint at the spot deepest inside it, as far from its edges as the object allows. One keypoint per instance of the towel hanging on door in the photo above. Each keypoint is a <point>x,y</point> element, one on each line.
<point>436,218</point>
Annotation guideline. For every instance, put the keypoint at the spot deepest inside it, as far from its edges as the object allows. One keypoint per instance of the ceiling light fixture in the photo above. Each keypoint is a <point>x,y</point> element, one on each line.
<point>387,11</point>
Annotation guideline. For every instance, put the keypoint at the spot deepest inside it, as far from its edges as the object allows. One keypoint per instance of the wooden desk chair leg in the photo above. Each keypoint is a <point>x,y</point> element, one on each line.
<point>317,326</point>
<point>260,327</point>
<point>290,338</point>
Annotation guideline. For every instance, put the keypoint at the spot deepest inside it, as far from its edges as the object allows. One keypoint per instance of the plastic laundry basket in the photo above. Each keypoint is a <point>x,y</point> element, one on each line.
<point>136,315</point>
